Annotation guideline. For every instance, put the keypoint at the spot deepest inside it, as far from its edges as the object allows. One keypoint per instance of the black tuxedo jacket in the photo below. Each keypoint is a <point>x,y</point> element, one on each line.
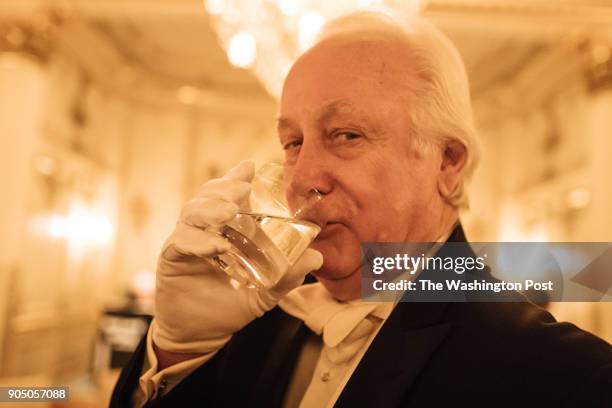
<point>510,354</point>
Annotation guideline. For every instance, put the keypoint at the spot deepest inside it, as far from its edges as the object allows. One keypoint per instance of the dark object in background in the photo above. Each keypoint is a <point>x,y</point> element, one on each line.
<point>118,335</point>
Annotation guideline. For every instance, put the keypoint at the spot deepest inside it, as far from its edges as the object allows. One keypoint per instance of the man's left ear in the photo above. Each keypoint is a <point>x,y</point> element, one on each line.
<point>454,158</point>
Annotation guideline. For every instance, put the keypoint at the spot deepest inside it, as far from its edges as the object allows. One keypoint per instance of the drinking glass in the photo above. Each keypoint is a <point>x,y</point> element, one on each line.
<point>268,239</point>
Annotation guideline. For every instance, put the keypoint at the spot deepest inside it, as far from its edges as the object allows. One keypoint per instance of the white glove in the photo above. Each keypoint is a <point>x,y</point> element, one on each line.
<point>197,309</point>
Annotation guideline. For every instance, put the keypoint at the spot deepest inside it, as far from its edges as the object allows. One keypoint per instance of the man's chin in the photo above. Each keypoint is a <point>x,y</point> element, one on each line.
<point>344,288</point>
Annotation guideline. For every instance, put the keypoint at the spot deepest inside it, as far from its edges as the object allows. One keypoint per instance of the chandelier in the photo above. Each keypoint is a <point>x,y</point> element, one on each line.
<point>266,36</point>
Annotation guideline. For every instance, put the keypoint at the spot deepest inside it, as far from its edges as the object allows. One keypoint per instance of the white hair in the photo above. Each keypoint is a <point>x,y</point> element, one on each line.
<point>442,110</point>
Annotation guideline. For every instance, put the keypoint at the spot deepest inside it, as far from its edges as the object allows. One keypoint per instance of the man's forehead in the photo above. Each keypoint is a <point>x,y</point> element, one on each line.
<point>359,48</point>
<point>327,110</point>
<point>338,67</point>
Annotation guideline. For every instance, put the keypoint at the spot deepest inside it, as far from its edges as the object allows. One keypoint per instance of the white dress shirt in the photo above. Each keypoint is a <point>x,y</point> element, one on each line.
<point>347,329</point>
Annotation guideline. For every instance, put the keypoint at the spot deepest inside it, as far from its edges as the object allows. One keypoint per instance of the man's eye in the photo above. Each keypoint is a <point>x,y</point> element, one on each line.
<point>346,136</point>
<point>292,144</point>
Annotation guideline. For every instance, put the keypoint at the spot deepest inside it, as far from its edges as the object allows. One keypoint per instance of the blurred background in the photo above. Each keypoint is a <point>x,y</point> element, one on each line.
<point>113,111</point>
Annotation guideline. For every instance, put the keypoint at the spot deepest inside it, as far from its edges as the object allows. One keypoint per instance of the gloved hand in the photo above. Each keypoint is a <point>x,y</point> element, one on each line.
<point>197,309</point>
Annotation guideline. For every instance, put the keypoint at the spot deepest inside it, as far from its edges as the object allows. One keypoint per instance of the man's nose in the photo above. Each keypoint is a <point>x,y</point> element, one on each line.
<point>311,170</point>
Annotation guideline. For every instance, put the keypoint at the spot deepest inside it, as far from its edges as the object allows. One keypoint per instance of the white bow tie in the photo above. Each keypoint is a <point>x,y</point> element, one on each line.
<point>345,326</point>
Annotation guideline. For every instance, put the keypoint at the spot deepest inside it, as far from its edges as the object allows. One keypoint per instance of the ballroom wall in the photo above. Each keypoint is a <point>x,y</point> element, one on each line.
<point>93,179</point>
<point>544,177</point>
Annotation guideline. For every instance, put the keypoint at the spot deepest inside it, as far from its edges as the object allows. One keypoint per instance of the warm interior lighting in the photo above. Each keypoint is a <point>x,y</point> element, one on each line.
<point>310,25</point>
<point>215,6</point>
<point>578,197</point>
<point>268,36</point>
<point>365,3</point>
<point>289,7</point>
<point>143,284</point>
<point>86,227</point>
<point>45,165</point>
<point>79,227</point>
<point>513,229</point>
<point>242,50</point>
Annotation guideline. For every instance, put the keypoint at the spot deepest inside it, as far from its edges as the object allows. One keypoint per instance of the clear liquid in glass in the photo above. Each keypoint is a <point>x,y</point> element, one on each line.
<point>264,247</point>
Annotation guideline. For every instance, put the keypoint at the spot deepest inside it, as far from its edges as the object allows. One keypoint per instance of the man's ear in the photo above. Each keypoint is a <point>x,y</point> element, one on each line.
<point>454,159</point>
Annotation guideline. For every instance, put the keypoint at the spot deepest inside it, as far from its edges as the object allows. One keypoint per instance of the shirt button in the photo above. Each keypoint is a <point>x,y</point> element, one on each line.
<point>325,376</point>
<point>162,385</point>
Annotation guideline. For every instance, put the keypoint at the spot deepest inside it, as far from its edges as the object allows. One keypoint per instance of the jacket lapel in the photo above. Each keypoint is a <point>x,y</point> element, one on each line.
<point>397,355</point>
<point>399,352</point>
<point>273,379</point>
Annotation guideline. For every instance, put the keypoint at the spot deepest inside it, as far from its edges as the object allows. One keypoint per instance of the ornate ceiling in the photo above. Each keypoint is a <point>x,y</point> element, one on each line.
<point>171,41</point>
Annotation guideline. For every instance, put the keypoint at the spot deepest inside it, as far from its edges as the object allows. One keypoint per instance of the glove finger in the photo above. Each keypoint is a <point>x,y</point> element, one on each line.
<point>234,191</point>
<point>243,171</point>
<point>311,260</point>
<point>202,212</point>
<point>188,241</point>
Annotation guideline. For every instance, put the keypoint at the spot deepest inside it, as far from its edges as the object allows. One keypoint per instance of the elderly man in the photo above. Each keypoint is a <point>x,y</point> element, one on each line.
<point>377,118</point>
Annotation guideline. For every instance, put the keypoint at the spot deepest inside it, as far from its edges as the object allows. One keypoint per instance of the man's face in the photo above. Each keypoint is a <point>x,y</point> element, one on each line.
<point>345,130</point>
